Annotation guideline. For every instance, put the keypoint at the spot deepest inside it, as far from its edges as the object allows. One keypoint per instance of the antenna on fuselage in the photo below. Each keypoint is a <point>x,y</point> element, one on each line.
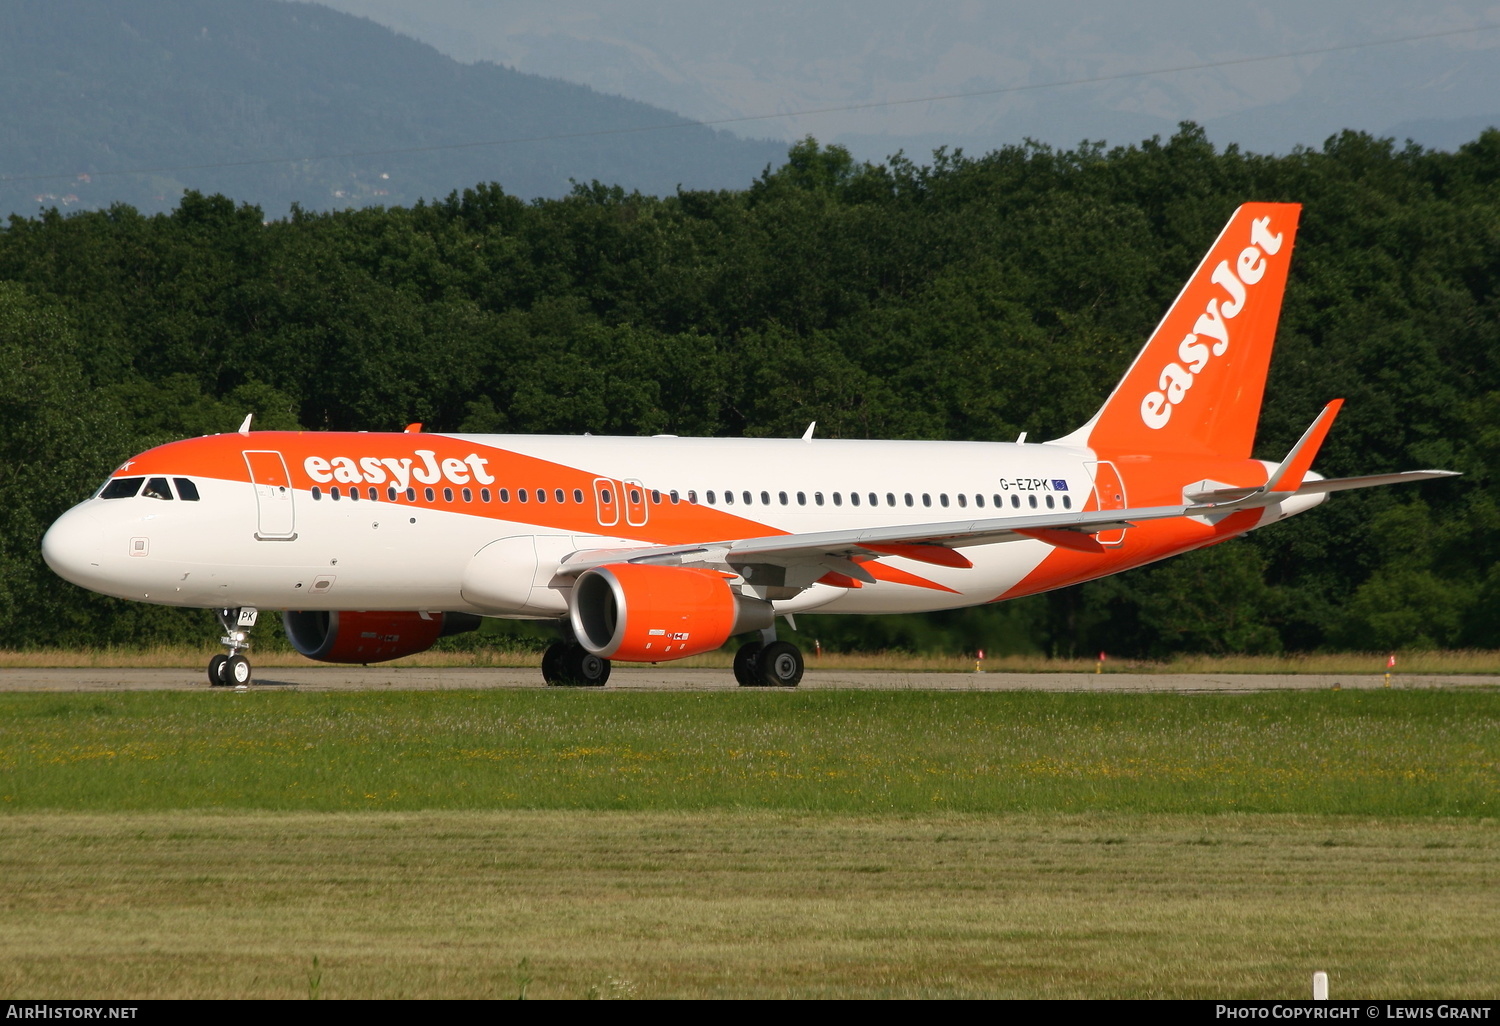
<point>245,427</point>
<point>1021,438</point>
<point>807,435</point>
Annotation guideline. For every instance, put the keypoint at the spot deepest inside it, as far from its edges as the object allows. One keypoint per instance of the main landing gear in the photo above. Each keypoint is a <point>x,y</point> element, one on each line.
<point>233,669</point>
<point>768,663</point>
<point>569,664</point>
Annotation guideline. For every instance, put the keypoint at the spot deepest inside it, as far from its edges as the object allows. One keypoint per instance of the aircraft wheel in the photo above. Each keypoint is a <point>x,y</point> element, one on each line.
<point>237,670</point>
<point>745,665</point>
<point>780,665</point>
<point>217,671</point>
<point>552,662</point>
<point>585,669</point>
<point>572,665</point>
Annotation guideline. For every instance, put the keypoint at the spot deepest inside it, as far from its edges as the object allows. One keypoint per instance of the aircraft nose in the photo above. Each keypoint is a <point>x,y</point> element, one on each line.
<point>74,546</point>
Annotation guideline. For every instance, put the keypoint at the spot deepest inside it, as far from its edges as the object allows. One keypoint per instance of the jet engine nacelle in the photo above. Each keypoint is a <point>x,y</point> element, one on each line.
<point>644,613</point>
<point>369,636</point>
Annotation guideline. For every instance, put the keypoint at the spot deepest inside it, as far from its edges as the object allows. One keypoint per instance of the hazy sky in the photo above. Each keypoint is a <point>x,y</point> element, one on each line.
<point>712,59</point>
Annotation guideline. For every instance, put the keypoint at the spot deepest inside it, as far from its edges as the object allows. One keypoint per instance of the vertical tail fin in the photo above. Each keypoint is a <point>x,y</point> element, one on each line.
<point>1196,387</point>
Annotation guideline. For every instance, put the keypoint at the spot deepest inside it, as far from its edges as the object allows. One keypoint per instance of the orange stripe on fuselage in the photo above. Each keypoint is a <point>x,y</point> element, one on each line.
<point>220,457</point>
<point>1149,481</point>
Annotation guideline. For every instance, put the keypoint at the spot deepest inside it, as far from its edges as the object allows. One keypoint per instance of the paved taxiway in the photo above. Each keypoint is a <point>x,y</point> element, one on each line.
<point>654,678</point>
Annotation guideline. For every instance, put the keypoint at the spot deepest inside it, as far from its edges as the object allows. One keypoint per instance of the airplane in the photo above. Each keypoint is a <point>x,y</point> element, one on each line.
<point>375,545</point>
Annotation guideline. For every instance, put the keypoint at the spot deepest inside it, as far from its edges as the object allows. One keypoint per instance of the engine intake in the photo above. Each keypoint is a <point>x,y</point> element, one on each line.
<point>369,636</point>
<point>644,613</point>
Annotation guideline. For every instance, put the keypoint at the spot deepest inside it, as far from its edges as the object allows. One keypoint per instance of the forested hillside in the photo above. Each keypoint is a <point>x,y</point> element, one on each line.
<point>969,298</point>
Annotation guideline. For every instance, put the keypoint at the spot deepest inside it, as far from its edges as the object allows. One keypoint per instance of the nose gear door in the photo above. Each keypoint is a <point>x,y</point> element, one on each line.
<point>273,495</point>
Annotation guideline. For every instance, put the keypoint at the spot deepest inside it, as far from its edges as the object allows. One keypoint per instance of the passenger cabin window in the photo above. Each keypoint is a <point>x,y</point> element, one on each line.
<point>1031,500</point>
<point>890,498</point>
<point>390,493</point>
<point>1015,502</point>
<point>711,501</point>
<point>802,498</point>
<point>979,501</point>
<point>578,496</point>
<point>411,495</point>
<point>447,494</point>
<point>909,500</point>
<point>559,495</point>
<point>728,498</point>
<point>186,490</point>
<point>317,493</point>
<point>121,488</point>
<point>818,498</point>
<point>963,501</point>
<point>926,499</point>
<point>853,498</point>
<point>1049,502</point>
<point>692,495</point>
<point>765,498</point>
<point>1067,502</point>
<point>782,497</point>
<point>749,499</point>
<point>838,499</point>
<point>484,495</point>
<point>468,494</point>
<point>157,488</point>
<point>521,495</point>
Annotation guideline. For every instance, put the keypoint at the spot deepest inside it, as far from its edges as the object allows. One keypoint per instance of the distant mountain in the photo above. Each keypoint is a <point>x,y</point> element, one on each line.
<point>713,59</point>
<point>216,95</point>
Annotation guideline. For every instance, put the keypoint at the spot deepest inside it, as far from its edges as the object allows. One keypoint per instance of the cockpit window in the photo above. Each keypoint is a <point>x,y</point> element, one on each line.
<point>186,490</point>
<point>157,488</point>
<point>121,488</point>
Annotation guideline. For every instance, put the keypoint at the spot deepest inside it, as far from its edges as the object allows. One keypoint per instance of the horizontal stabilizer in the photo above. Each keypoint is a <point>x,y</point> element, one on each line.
<point>1228,495</point>
<point>1343,484</point>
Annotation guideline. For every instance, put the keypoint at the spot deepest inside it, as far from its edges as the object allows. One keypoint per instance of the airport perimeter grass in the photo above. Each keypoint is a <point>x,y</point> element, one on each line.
<point>748,843</point>
<point>744,904</point>
<point>1385,753</point>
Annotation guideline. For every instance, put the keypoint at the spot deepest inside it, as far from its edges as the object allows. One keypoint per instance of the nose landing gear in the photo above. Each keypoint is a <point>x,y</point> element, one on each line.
<point>233,669</point>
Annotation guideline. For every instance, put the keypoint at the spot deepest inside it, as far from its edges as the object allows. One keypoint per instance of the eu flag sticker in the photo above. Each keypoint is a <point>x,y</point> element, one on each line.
<point>1059,486</point>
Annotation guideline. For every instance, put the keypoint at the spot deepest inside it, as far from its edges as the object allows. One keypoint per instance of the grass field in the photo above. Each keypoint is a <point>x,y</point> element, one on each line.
<point>1421,662</point>
<point>745,904</point>
<point>850,843</point>
<point>1406,753</point>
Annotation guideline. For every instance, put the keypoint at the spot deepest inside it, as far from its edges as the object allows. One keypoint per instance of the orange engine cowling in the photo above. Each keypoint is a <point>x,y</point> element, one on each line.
<point>369,636</point>
<point>644,613</point>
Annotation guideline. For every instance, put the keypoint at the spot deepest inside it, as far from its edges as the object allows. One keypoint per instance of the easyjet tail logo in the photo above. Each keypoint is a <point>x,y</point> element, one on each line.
<point>1195,351</point>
